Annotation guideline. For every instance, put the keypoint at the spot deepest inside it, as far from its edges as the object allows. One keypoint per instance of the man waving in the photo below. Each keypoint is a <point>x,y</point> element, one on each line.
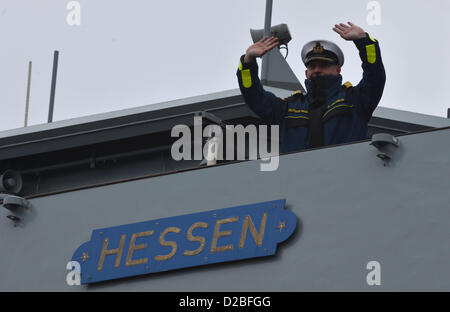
<point>330,112</point>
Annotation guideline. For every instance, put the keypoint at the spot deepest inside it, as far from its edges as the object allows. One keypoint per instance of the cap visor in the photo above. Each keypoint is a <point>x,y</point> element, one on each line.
<point>320,58</point>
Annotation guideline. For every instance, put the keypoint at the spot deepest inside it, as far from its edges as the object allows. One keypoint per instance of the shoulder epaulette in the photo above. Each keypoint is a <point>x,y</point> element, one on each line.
<point>347,85</point>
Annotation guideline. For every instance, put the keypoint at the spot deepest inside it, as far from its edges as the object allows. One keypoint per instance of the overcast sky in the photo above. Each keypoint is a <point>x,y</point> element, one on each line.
<point>132,53</point>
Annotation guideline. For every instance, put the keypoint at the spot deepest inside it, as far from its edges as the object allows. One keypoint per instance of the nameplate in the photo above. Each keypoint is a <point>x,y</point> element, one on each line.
<point>222,235</point>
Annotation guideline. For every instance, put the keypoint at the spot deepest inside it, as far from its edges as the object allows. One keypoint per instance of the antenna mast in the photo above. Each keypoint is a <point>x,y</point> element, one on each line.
<point>52,91</point>
<point>267,24</point>
<point>27,104</point>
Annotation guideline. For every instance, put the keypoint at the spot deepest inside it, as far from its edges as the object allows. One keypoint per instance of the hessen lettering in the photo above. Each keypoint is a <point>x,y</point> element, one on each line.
<point>117,253</point>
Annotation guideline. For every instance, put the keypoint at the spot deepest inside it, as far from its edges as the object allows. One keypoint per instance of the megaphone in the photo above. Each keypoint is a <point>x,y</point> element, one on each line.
<point>11,182</point>
<point>280,31</point>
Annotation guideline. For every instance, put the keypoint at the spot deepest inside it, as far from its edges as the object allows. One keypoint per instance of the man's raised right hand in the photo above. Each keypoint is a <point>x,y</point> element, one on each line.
<point>260,48</point>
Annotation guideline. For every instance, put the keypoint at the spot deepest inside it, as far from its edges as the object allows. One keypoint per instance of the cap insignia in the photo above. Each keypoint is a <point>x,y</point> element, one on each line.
<point>318,48</point>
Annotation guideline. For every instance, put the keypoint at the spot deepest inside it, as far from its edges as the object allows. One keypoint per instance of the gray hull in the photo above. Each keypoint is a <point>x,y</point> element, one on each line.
<point>351,210</point>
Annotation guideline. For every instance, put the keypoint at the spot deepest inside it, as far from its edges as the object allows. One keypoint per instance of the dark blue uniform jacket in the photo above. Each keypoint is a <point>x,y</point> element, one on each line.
<point>346,112</point>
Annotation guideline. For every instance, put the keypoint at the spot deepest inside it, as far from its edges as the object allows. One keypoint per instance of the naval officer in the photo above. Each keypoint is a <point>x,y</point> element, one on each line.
<point>330,112</point>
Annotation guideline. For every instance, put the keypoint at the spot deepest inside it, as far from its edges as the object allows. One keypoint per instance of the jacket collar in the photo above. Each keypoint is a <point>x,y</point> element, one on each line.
<point>331,85</point>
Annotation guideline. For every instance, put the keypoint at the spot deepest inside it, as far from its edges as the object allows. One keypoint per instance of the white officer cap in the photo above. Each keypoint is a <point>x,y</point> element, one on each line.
<point>322,50</point>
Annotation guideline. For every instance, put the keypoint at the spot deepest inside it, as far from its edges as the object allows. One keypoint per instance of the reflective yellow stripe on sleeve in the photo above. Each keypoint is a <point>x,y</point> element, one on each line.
<point>371,54</point>
<point>246,78</point>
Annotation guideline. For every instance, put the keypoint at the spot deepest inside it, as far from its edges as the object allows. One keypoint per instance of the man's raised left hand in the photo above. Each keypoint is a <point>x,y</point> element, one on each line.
<point>350,31</point>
